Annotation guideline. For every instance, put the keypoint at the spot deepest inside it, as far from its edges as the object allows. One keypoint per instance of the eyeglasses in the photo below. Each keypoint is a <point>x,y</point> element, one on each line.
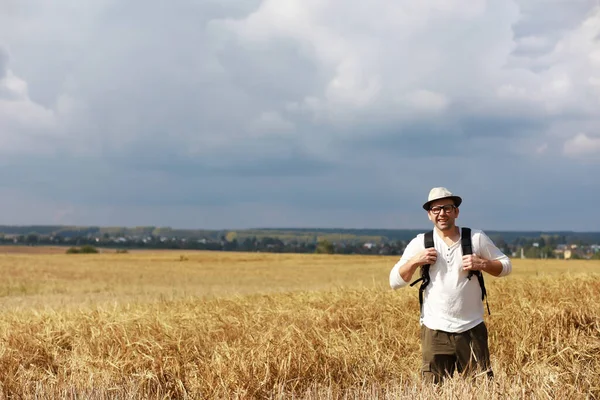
<point>448,208</point>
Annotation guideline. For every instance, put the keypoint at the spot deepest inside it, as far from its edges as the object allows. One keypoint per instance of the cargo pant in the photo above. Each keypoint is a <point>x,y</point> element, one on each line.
<point>444,353</point>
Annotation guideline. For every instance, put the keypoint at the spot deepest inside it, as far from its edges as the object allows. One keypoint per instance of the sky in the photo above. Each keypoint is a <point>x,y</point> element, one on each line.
<point>233,114</point>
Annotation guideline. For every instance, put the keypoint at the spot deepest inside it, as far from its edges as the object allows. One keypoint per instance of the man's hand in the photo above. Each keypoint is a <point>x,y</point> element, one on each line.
<point>473,262</point>
<point>427,256</point>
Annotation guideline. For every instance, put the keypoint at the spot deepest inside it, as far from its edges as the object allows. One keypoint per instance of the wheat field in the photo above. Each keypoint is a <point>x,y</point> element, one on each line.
<point>203,325</point>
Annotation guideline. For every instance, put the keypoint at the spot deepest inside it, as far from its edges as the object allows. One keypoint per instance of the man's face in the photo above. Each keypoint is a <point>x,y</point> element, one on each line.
<point>443,213</point>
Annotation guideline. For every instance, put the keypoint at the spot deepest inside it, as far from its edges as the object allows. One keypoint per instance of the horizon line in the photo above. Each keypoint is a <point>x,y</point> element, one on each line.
<point>283,228</point>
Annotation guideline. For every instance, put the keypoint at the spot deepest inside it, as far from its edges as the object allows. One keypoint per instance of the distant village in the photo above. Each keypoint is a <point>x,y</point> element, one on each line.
<point>519,248</point>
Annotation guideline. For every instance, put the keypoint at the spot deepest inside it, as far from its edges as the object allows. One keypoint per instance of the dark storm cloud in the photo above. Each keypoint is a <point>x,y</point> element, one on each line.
<point>543,23</point>
<point>543,17</point>
<point>448,136</point>
<point>163,179</point>
<point>293,164</point>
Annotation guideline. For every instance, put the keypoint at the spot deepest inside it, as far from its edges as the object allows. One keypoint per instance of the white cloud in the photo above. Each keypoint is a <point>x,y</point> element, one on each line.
<point>376,73</point>
<point>373,54</point>
<point>541,149</point>
<point>562,81</point>
<point>271,122</point>
<point>533,43</point>
<point>425,100</point>
<point>347,68</point>
<point>582,145</point>
<point>22,121</point>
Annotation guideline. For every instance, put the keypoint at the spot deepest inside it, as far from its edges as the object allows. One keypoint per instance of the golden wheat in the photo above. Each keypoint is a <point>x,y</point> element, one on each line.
<point>225,325</point>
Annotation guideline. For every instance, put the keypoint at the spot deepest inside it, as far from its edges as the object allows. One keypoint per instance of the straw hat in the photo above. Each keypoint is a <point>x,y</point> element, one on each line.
<point>439,193</point>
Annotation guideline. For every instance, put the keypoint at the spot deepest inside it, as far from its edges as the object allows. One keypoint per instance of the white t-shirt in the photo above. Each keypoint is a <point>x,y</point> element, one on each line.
<point>451,302</point>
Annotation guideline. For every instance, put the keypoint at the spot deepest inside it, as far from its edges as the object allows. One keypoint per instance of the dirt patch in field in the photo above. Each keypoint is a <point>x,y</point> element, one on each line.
<point>32,249</point>
<point>42,249</point>
<point>14,249</point>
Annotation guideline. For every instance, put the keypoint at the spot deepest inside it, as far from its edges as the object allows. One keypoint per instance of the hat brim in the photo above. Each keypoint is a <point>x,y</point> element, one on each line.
<point>457,201</point>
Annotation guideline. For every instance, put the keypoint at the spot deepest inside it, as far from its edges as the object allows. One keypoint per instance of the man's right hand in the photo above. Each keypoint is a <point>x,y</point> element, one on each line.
<point>427,256</point>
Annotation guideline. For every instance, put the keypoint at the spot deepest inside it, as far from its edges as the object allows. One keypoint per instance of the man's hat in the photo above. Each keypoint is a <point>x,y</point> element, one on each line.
<point>439,193</point>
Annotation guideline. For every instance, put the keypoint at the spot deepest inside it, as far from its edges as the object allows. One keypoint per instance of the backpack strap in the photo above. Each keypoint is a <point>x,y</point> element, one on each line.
<point>467,248</point>
<point>429,240</point>
<point>424,269</point>
<point>465,241</point>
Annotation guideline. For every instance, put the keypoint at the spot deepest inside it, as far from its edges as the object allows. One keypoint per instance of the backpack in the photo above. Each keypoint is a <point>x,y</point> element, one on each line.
<point>467,248</point>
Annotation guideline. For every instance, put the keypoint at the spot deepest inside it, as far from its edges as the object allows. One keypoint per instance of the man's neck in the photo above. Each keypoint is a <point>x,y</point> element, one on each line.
<point>452,233</point>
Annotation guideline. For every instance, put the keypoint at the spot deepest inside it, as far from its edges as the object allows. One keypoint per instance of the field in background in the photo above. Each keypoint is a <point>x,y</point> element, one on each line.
<point>205,324</point>
<point>61,280</point>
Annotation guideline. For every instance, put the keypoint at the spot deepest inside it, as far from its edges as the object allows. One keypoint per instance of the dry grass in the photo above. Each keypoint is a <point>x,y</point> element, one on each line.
<point>79,279</point>
<point>225,325</point>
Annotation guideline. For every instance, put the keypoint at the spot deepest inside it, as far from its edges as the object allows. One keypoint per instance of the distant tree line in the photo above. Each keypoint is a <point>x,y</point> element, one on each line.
<point>249,244</point>
<point>543,246</point>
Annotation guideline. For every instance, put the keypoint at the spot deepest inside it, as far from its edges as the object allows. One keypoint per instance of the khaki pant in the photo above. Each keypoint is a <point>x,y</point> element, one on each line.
<point>444,352</point>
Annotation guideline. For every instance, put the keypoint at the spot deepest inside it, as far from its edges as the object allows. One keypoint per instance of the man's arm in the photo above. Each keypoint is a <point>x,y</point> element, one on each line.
<point>492,260</point>
<point>427,256</point>
<point>476,263</point>
<point>407,270</point>
<point>413,257</point>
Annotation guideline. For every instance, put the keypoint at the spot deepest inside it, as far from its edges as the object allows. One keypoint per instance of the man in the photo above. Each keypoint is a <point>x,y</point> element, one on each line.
<point>454,336</point>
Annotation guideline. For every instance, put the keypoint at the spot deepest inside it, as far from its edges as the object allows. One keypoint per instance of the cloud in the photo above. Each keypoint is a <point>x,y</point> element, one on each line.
<point>270,122</point>
<point>529,45</point>
<point>374,70</point>
<point>424,100</point>
<point>3,63</point>
<point>340,112</point>
<point>583,145</point>
<point>542,148</point>
<point>23,123</point>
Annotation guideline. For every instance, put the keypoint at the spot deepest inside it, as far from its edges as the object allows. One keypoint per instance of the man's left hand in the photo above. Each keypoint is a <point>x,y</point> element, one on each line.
<point>473,262</point>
